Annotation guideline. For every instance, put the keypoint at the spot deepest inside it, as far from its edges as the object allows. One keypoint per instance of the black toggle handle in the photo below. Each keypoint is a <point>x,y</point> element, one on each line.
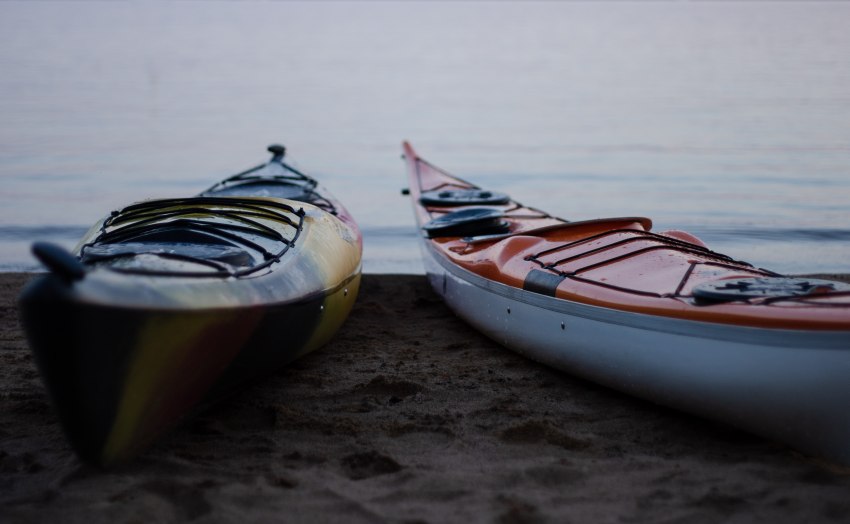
<point>278,151</point>
<point>59,261</point>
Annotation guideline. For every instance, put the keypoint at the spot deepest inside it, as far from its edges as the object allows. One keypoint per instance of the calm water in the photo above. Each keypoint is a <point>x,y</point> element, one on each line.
<point>730,120</point>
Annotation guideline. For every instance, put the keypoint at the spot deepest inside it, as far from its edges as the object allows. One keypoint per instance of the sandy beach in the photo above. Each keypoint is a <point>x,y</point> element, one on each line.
<point>408,415</point>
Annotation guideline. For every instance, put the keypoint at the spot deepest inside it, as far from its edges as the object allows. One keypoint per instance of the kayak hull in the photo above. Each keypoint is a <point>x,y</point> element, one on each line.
<point>785,386</point>
<point>119,377</point>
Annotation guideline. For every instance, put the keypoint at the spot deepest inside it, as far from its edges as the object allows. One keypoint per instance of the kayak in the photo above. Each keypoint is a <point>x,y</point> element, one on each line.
<point>654,314</point>
<point>167,305</point>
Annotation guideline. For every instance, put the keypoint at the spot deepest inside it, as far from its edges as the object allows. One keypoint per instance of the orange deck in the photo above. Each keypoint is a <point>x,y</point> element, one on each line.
<point>616,263</point>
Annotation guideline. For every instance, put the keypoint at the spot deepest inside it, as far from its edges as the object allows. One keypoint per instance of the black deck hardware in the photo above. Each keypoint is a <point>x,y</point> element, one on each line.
<point>277,150</point>
<point>772,288</point>
<point>470,221</point>
<point>59,261</point>
<point>463,197</point>
<point>542,282</point>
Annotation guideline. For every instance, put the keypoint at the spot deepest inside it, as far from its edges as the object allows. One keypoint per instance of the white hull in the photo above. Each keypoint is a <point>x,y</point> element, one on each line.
<point>788,385</point>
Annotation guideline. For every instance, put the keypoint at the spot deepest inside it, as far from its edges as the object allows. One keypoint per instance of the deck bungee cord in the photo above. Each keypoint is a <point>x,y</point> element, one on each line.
<point>477,225</point>
<point>295,184</point>
<point>223,221</point>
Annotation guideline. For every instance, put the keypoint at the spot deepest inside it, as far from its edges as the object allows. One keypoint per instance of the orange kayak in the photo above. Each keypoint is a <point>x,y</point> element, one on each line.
<point>655,314</point>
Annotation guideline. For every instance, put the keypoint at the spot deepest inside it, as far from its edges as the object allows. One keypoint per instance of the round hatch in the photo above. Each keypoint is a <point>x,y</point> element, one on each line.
<point>471,221</point>
<point>463,197</point>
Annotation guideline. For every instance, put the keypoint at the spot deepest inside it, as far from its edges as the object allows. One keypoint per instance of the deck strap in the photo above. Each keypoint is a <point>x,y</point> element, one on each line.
<point>543,282</point>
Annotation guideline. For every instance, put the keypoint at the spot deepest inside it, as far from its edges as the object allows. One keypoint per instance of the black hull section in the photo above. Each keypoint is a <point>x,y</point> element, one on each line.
<point>118,377</point>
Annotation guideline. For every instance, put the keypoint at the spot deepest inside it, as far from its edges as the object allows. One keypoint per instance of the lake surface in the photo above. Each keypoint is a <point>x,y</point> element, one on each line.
<point>727,119</point>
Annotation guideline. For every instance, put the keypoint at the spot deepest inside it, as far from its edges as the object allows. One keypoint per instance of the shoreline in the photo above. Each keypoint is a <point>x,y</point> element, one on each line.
<point>409,415</point>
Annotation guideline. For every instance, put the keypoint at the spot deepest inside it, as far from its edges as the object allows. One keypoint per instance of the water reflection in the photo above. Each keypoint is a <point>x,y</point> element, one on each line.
<point>720,117</point>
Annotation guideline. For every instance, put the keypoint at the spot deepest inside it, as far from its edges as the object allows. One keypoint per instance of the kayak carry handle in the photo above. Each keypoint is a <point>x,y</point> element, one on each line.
<point>59,261</point>
<point>278,151</point>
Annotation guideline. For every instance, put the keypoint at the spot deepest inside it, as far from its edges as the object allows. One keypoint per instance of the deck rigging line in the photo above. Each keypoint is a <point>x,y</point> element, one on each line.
<point>228,219</point>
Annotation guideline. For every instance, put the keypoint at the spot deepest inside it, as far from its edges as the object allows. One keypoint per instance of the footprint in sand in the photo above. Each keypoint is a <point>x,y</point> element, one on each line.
<point>536,431</point>
<point>382,386</point>
<point>360,466</point>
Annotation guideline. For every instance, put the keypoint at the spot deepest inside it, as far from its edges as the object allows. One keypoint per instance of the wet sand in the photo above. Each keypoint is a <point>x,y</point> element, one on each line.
<point>408,416</point>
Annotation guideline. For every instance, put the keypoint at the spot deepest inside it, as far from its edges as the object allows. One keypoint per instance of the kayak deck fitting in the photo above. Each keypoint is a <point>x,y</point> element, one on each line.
<point>657,315</point>
<point>167,305</point>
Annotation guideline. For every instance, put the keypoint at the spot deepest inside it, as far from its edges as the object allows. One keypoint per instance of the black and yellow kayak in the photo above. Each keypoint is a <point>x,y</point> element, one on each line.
<point>168,304</point>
